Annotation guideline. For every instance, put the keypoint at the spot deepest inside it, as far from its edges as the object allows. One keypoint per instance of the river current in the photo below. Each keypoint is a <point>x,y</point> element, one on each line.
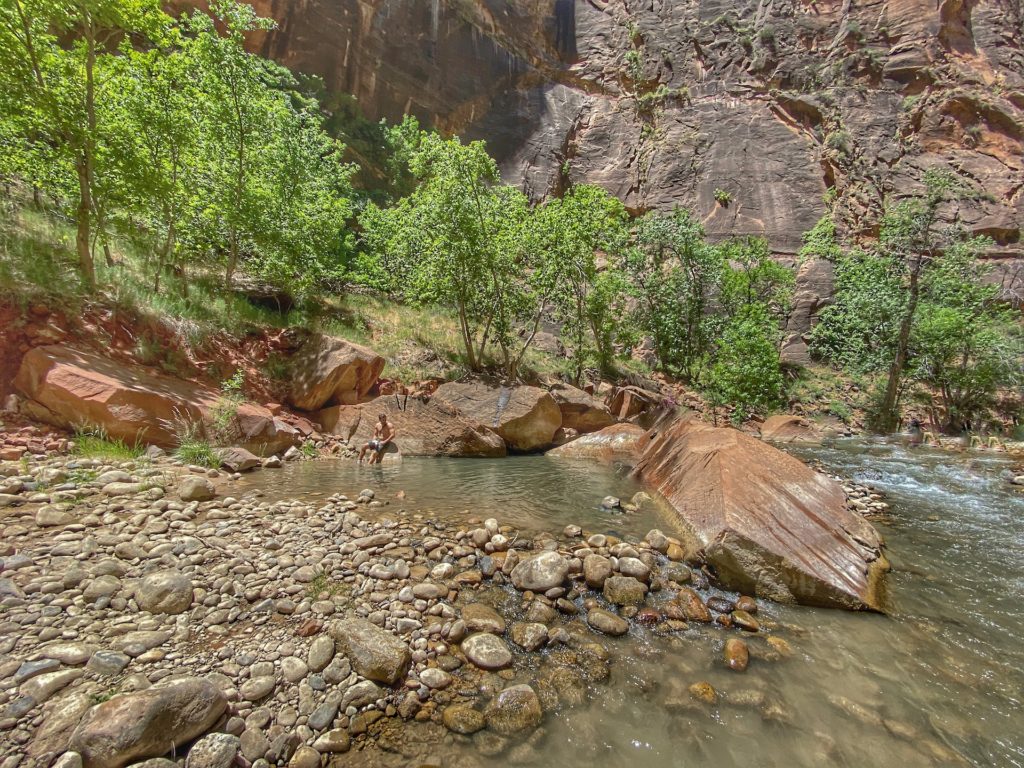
<point>938,681</point>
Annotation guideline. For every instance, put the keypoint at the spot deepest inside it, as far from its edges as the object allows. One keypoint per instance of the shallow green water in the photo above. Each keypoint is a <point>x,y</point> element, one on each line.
<point>937,682</point>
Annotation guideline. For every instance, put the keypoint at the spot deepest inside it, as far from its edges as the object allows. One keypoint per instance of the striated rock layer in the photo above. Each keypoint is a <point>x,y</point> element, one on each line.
<point>770,525</point>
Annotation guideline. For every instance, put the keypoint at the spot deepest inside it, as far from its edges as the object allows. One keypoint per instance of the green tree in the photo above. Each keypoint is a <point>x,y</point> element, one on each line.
<point>746,372</point>
<point>54,56</point>
<point>677,275</point>
<point>567,235</point>
<point>455,241</point>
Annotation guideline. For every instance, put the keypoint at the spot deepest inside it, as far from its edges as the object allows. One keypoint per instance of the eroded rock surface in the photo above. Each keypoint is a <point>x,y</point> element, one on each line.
<point>525,417</point>
<point>331,371</point>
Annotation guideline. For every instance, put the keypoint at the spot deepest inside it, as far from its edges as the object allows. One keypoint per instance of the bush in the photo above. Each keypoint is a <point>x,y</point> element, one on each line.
<point>94,442</point>
<point>722,197</point>
<point>746,372</point>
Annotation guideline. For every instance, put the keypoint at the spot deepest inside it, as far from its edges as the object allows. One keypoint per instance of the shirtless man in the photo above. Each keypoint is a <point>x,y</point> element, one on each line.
<point>383,434</point>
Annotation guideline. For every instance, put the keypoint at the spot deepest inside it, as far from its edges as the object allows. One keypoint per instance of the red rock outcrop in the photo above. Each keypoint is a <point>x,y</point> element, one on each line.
<point>68,387</point>
<point>615,443</point>
<point>526,418</point>
<point>784,428</point>
<point>332,371</point>
<point>424,428</point>
<point>770,525</point>
<point>580,411</point>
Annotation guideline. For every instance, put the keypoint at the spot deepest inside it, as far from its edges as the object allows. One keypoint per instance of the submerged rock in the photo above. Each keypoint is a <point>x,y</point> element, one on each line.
<point>514,710</point>
<point>487,651</point>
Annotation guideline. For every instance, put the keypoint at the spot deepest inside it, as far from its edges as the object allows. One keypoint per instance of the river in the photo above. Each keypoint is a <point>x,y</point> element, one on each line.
<point>936,682</point>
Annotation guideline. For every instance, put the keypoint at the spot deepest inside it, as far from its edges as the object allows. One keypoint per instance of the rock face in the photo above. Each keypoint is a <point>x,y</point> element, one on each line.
<point>429,428</point>
<point>771,104</point>
<point>375,654</point>
<point>331,371</point>
<point>69,387</point>
<point>580,411</point>
<point>783,428</point>
<point>615,443</point>
<point>147,723</point>
<point>526,418</point>
<point>770,525</point>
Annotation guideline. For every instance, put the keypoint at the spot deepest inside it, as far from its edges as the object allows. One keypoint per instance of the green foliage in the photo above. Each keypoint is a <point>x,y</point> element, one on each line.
<point>858,330</point>
<point>175,133</point>
<point>224,414</point>
<point>193,450</point>
<point>309,450</point>
<point>94,442</point>
<point>746,371</point>
<point>722,197</point>
<point>839,141</point>
<point>634,59</point>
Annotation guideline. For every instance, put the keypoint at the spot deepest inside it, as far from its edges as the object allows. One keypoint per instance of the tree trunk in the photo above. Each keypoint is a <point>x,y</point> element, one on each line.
<point>888,412</point>
<point>82,239</point>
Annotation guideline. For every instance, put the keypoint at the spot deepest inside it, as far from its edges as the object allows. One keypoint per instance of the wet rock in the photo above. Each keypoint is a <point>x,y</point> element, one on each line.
<point>607,622</point>
<point>480,617</point>
<point>195,488</point>
<point>703,692</point>
<point>529,635</point>
<point>735,654</point>
<point>748,604</point>
<point>514,710</point>
<point>167,591</point>
<point>463,719</point>
<point>540,573</point>
<point>333,742</point>
<point>215,750</point>
<point>745,621</point>
<point>435,678</point>
<point>147,723</point>
<point>624,590</point>
<point>304,757</point>
<point>688,606</point>
<point>375,653</point>
<point>238,459</point>
<point>487,651</point>
<point>596,569</point>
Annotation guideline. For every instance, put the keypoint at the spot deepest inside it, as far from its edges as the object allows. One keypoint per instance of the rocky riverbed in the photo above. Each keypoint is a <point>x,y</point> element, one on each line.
<point>147,613</point>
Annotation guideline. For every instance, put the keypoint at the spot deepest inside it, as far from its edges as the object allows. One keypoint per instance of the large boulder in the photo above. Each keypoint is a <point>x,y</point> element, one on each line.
<point>611,444</point>
<point>375,653</point>
<point>147,723</point>
<point>630,402</point>
<point>168,591</point>
<point>581,411</point>
<point>430,428</point>
<point>69,387</point>
<point>331,371</point>
<point>770,525</point>
<point>541,572</point>
<point>526,418</point>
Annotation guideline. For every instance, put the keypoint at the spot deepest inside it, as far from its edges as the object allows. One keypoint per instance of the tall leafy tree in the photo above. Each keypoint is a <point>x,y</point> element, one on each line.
<point>54,56</point>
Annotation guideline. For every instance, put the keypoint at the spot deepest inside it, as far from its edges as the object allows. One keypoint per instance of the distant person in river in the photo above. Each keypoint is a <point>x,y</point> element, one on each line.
<point>383,434</point>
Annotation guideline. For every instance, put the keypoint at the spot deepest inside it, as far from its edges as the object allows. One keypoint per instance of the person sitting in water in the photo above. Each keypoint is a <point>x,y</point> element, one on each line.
<point>383,434</point>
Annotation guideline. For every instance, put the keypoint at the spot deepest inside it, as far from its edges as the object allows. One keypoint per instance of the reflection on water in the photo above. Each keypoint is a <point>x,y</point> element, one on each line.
<point>938,682</point>
<point>535,493</point>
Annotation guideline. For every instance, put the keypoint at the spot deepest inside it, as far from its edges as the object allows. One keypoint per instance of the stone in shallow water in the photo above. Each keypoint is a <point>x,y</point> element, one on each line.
<point>596,569</point>
<point>624,590</point>
<point>744,620</point>
<point>529,635</point>
<point>435,678</point>
<point>514,710</point>
<point>735,654</point>
<point>607,622</point>
<point>483,618</point>
<point>487,651</point>
<point>541,573</point>
<point>463,719</point>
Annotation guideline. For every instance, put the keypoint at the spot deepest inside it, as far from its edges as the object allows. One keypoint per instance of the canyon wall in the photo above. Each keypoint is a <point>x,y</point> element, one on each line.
<point>768,103</point>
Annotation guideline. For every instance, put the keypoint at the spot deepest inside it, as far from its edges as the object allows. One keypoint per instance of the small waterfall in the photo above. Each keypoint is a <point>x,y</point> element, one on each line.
<point>435,18</point>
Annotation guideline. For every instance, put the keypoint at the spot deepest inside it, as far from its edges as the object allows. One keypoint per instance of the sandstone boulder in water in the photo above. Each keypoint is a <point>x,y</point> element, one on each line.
<point>785,428</point>
<point>581,411</point>
<point>147,723</point>
<point>430,428</point>
<point>69,387</point>
<point>332,371</point>
<point>615,443</point>
<point>770,525</point>
<point>526,418</point>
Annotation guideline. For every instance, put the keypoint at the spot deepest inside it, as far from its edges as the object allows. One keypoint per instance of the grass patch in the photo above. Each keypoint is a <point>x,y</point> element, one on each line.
<point>322,584</point>
<point>95,443</point>
<point>193,450</point>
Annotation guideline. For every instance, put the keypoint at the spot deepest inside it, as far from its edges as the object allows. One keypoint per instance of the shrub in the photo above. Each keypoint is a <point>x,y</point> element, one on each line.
<point>746,371</point>
<point>722,197</point>
<point>94,442</point>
